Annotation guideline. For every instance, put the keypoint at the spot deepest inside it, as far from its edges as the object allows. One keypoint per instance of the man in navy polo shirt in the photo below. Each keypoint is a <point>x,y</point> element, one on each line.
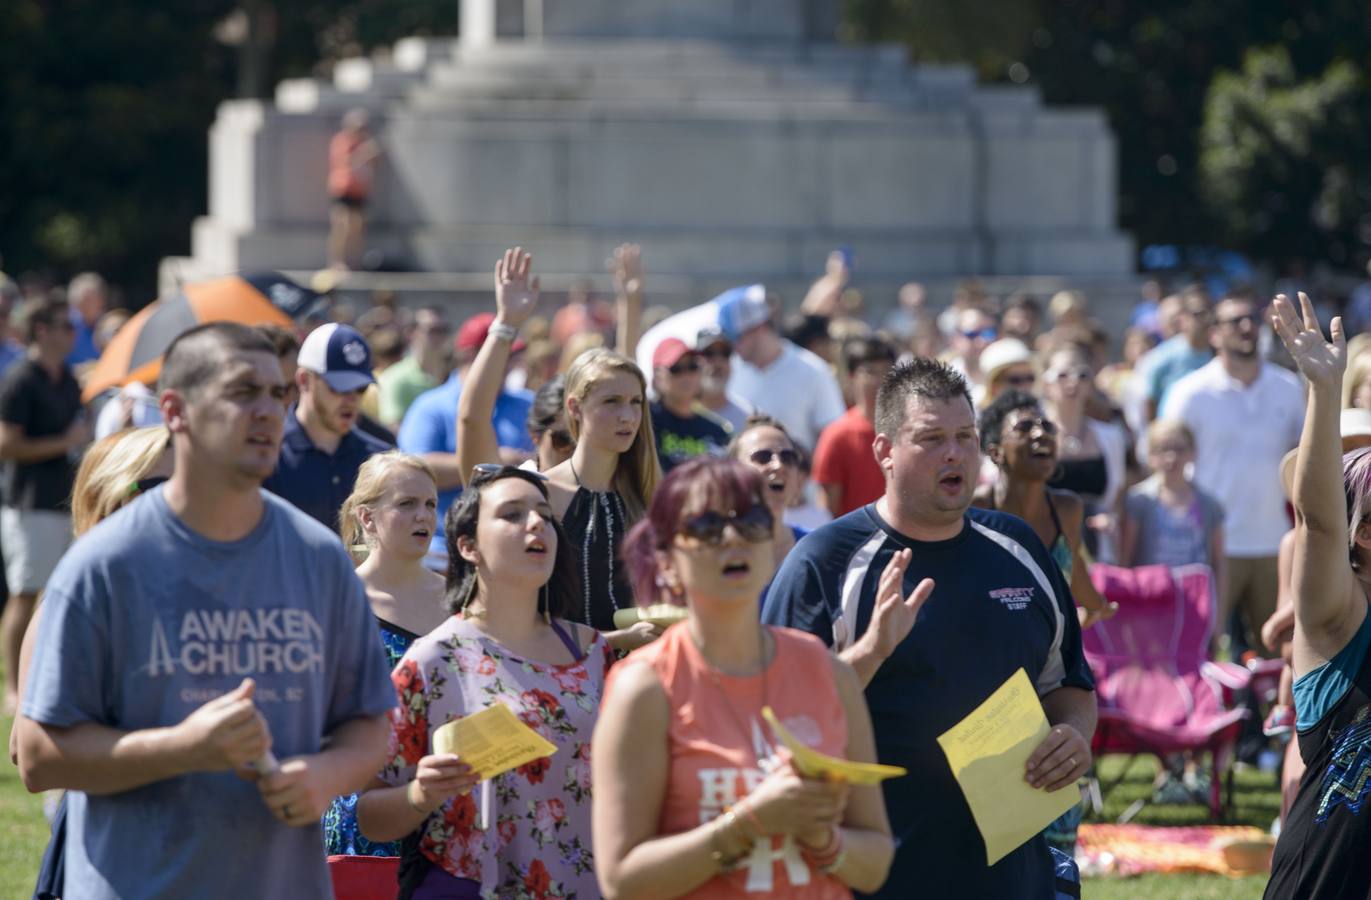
<point>935,605</point>
<point>321,451</point>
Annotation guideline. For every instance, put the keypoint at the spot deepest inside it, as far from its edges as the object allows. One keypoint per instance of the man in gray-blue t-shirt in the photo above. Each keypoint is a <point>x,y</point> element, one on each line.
<point>184,636</point>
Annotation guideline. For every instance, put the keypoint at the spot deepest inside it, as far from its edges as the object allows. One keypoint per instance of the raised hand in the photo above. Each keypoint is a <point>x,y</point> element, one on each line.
<point>1320,361</point>
<point>893,616</point>
<point>516,296</point>
<point>626,265</point>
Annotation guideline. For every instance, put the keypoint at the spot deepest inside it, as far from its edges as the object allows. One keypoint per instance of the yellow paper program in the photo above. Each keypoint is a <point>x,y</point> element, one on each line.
<point>812,764</point>
<point>491,741</point>
<point>988,752</point>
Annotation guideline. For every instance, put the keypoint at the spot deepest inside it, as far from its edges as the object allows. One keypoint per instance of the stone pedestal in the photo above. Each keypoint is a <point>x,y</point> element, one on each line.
<point>741,150</point>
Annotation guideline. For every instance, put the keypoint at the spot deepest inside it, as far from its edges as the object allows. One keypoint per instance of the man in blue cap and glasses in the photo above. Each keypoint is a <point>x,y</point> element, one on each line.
<point>321,451</point>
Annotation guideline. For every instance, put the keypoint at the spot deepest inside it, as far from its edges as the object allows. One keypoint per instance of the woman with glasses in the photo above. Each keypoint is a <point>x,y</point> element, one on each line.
<point>388,523</point>
<point>1092,457</point>
<point>114,471</point>
<point>525,832</point>
<point>691,796</point>
<point>764,445</point>
<point>1022,442</point>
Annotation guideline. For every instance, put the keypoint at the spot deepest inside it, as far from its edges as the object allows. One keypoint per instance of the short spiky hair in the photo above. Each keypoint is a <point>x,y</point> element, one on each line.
<point>920,377</point>
<point>197,356</point>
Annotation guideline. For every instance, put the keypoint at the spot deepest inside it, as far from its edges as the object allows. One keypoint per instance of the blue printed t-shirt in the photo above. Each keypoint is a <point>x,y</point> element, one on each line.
<point>1000,605</point>
<point>143,622</point>
<point>430,426</point>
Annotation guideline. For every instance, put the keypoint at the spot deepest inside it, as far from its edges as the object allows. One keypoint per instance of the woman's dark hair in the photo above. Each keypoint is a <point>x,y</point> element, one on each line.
<point>688,488</point>
<point>547,406</point>
<point>558,595</point>
<point>991,424</point>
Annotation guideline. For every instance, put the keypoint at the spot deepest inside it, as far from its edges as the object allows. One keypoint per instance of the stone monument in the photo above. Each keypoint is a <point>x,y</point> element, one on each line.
<point>735,139</point>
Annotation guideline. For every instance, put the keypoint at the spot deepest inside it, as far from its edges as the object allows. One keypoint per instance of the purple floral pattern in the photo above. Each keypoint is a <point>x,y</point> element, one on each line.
<point>524,834</point>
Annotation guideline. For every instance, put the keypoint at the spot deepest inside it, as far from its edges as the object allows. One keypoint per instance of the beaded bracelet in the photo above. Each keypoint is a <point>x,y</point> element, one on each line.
<point>726,863</point>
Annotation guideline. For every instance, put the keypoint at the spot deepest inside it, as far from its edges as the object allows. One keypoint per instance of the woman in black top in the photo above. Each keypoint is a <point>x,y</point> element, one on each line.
<point>1322,851</point>
<point>604,488</point>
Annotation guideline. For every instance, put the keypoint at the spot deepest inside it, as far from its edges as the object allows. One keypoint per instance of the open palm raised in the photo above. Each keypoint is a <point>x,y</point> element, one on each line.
<point>1320,361</point>
<point>516,295</point>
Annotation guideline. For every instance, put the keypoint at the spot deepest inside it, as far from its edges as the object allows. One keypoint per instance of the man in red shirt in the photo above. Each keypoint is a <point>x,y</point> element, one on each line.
<point>844,463</point>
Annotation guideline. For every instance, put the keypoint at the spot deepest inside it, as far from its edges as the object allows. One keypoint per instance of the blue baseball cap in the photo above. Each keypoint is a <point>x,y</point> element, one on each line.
<point>340,355</point>
<point>742,309</point>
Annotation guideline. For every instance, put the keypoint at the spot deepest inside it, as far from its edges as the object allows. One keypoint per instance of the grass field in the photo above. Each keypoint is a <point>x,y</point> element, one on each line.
<point>24,834</point>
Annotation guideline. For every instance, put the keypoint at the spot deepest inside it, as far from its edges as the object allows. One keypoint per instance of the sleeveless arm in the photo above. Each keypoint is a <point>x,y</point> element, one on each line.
<point>630,768</point>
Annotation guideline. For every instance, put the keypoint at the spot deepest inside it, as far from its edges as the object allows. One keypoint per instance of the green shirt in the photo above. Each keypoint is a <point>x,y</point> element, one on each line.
<point>400,384</point>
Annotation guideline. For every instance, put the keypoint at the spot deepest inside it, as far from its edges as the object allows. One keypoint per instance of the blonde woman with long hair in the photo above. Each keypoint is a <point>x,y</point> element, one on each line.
<point>388,522</point>
<point>115,470</point>
<point>606,485</point>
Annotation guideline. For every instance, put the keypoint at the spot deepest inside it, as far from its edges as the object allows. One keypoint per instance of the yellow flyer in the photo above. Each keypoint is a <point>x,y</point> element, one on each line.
<point>492,741</point>
<point>662,614</point>
<point>988,751</point>
<point>813,764</point>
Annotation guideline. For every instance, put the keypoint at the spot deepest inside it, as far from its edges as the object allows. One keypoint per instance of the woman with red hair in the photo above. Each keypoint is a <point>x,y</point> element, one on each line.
<point>692,797</point>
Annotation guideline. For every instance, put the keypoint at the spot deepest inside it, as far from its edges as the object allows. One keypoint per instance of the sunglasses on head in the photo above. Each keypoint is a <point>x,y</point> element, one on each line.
<point>1079,373</point>
<point>481,473</point>
<point>764,457</point>
<point>752,524</point>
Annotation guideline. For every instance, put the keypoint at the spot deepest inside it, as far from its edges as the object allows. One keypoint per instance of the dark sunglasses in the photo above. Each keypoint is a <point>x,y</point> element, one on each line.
<point>481,473</point>
<point>684,367</point>
<point>143,485</point>
<point>1024,379</point>
<point>1236,321</point>
<point>718,351</point>
<point>764,457</point>
<point>1027,426</point>
<point>985,334</point>
<point>753,525</point>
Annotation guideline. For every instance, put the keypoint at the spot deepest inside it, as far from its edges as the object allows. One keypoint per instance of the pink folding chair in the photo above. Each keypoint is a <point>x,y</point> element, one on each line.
<point>1158,690</point>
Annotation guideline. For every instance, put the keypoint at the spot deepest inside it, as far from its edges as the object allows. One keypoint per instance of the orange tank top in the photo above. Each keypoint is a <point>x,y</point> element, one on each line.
<point>721,749</point>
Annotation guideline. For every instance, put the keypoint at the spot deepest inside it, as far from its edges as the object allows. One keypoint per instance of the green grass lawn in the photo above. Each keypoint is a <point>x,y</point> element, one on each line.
<point>24,834</point>
<point>23,830</point>
<point>1256,802</point>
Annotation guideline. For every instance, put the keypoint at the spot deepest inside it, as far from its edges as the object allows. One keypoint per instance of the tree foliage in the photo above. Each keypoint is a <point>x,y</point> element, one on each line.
<point>107,108</point>
<point>1283,158</point>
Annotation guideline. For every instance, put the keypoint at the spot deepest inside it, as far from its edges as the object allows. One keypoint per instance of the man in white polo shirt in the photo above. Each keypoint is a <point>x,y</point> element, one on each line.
<point>786,382</point>
<point>1245,414</point>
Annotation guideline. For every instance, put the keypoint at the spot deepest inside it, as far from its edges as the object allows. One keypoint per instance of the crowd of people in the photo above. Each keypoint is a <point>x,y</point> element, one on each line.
<point>867,528</point>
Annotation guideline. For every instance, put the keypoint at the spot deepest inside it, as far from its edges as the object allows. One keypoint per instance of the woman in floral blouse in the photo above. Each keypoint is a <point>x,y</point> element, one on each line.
<point>526,833</point>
